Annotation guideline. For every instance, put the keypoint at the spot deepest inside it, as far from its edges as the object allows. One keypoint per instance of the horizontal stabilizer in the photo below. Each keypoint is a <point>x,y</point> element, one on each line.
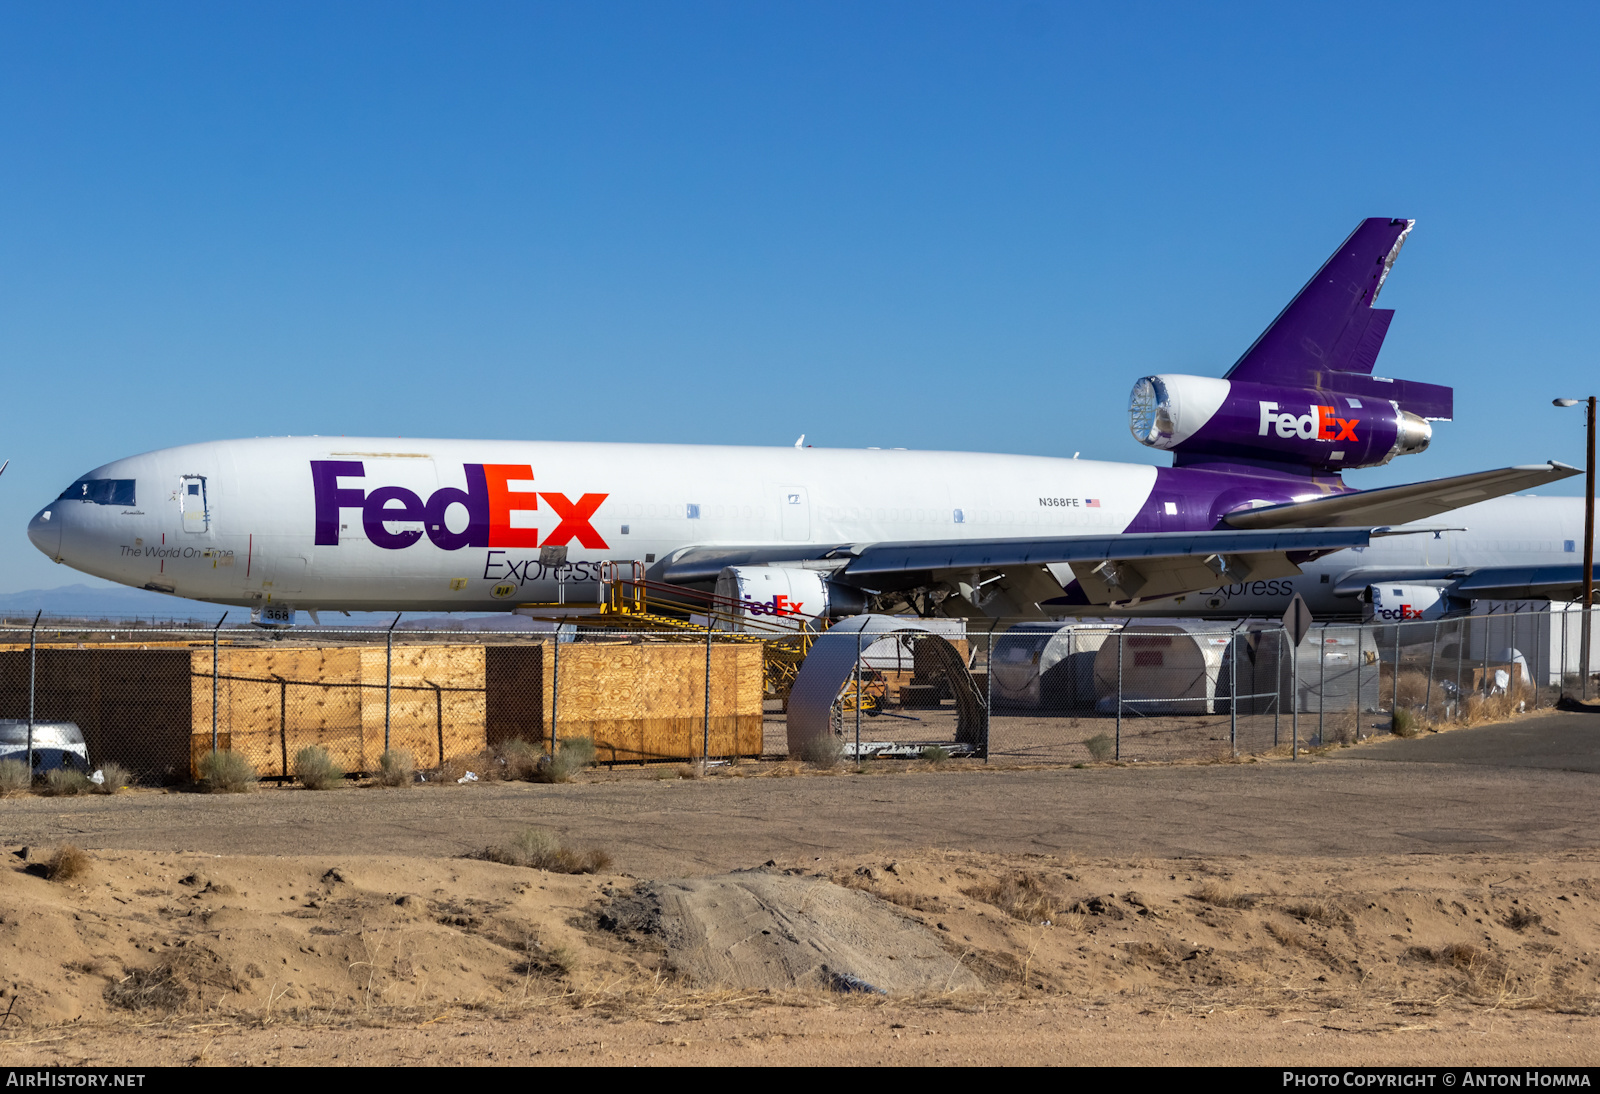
<point>1393,505</point>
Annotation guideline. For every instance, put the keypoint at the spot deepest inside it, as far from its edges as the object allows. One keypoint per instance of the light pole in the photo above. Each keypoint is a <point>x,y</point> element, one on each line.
<point>1588,548</point>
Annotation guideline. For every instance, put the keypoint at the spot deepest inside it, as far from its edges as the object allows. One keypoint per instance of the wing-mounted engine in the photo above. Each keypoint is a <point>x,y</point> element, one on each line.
<point>1202,420</point>
<point>777,596</point>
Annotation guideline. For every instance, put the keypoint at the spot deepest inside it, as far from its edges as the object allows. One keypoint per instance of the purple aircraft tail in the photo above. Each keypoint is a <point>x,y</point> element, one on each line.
<point>1329,336</point>
<point>1302,399</point>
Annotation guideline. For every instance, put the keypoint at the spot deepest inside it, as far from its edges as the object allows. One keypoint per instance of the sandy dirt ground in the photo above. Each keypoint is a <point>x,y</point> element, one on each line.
<point>1273,914</point>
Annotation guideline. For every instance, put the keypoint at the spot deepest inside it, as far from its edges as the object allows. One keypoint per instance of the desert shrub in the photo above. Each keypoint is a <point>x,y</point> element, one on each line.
<point>67,780</point>
<point>14,776</point>
<point>824,751</point>
<point>1101,747</point>
<point>314,769</point>
<point>1221,896</point>
<point>67,864</point>
<point>227,772</point>
<point>572,756</point>
<point>1403,723</point>
<point>522,759</point>
<point>1288,937</point>
<point>1021,896</point>
<point>396,769</point>
<point>1520,919</point>
<point>157,989</point>
<point>935,755</point>
<point>114,777</point>
<point>1315,911</point>
<point>538,849</point>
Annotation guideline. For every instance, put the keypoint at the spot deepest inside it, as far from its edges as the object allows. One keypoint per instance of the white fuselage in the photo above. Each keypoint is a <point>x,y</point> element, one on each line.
<point>249,537</point>
<point>243,522</point>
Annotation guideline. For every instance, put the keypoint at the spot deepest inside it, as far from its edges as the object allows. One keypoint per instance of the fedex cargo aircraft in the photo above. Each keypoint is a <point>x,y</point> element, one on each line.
<point>1253,508</point>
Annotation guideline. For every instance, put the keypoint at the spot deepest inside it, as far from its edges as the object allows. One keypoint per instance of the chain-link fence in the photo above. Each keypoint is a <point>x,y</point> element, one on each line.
<point>155,699</point>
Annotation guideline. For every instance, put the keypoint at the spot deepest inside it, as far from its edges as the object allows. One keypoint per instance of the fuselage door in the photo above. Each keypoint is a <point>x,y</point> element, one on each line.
<point>192,503</point>
<point>794,513</point>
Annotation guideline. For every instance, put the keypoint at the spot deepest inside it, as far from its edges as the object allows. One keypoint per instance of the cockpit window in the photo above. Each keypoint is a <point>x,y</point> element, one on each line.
<point>100,491</point>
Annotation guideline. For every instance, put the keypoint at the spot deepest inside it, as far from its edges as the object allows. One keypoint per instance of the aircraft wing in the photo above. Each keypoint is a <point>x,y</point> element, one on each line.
<point>1110,568</point>
<point>1394,505</point>
<point>1547,582</point>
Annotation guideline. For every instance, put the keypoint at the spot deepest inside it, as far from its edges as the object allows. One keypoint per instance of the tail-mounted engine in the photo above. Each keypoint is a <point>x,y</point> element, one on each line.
<point>1203,420</point>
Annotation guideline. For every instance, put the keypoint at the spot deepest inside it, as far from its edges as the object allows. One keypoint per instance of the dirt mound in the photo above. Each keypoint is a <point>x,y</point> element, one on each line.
<point>769,930</point>
<point>142,935</point>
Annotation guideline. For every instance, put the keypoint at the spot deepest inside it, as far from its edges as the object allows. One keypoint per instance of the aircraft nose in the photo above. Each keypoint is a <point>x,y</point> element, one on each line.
<point>45,532</point>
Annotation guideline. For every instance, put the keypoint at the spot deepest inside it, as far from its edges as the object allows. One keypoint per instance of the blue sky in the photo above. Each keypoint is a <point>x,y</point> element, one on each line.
<point>964,226</point>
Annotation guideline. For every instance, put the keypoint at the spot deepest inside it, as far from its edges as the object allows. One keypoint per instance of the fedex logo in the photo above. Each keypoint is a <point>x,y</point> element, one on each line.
<point>488,501</point>
<point>1319,425</point>
<point>778,605</point>
<point>1404,611</point>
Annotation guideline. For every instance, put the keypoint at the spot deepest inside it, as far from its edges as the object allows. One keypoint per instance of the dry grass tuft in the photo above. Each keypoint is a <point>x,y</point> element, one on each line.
<point>396,769</point>
<point>936,755</point>
<point>1460,955</point>
<point>114,777</point>
<point>522,758</point>
<point>1519,919</point>
<point>1221,896</point>
<point>67,781</point>
<point>14,777</point>
<point>67,864</point>
<point>227,772</point>
<point>1101,747</point>
<point>537,849</point>
<point>1021,896</point>
<point>572,756</point>
<point>1316,911</point>
<point>1159,953</point>
<point>1404,722</point>
<point>1288,937</point>
<point>314,769</point>
<point>158,989</point>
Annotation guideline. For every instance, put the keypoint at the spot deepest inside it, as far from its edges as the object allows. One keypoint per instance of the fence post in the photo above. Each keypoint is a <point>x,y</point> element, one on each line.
<point>1121,634</point>
<point>1394,697</point>
<point>988,689</point>
<point>1361,661</point>
<point>33,660</point>
<point>858,699</point>
<point>214,681</point>
<point>1277,688</point>
<point>388,678</point>
<point>1515,687</point>
<point>283,726</point>
<point>555,692</point>
<point>1433,660</point>
<point>1322,687</point>
<point>1233,692</point>
<point>1294,700</point>
<point>705,729</point>
<point>1563,674</point>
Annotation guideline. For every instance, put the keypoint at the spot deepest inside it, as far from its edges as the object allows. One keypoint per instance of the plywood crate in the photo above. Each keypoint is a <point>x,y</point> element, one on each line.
<point>274,702</point>
<point>642,701</point>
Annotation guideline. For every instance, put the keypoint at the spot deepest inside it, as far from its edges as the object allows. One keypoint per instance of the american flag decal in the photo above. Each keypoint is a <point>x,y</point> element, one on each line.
<point>1092,503</point>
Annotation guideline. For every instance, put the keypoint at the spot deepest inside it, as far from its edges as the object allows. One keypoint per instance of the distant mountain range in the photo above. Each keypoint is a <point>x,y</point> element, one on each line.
<point>123,605</point>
